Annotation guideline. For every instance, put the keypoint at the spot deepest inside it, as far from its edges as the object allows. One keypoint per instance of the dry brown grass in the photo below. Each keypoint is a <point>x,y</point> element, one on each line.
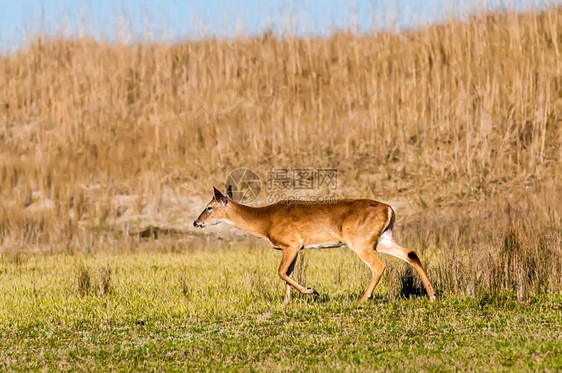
<point>97,139</point>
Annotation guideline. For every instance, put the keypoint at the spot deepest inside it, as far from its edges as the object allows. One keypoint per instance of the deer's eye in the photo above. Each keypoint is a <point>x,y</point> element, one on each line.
<point>209,208</point>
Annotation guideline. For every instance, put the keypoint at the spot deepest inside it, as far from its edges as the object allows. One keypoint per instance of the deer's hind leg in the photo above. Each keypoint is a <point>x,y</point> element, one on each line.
<point>365,251</point>
<point>410,256</point>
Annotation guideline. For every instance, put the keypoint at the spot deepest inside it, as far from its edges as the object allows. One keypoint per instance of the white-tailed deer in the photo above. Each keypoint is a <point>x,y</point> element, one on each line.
<point>365,226</point>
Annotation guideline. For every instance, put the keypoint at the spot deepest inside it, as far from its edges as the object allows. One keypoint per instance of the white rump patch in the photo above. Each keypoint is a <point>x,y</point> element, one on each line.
<point>386,238</point>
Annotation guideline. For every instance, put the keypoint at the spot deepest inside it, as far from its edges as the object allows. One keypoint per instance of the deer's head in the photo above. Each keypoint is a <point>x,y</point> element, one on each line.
<point>215,211</point>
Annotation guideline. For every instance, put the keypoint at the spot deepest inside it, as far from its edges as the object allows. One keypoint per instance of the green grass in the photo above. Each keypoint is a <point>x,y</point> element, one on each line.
<point>202,310</point>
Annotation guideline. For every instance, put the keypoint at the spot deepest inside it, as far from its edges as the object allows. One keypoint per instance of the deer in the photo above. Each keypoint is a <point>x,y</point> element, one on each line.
<point>363,225</point>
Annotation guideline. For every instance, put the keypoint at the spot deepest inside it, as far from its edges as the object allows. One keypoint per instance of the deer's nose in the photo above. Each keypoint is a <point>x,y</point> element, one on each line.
<point>196,223</point>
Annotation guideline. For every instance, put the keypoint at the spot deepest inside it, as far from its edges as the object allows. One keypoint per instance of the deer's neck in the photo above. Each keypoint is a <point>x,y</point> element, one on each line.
<point>246,218</point>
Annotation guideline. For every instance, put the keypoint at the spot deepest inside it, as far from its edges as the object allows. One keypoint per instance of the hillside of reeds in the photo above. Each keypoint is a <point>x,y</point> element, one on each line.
<point>460,129</point>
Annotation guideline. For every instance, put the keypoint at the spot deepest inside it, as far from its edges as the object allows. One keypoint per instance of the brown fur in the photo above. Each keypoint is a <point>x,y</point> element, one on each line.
<point>359,223</point>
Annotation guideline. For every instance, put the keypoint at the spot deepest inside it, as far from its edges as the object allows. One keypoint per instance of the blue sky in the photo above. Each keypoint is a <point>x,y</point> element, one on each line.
<point>171,20</point>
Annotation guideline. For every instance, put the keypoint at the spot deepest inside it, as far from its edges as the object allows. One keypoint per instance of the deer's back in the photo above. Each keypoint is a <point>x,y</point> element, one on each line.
<point>314,223</point>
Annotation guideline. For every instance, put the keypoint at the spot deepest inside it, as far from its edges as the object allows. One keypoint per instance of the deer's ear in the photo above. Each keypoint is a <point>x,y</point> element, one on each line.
<point>219,197</point>
<point>229,191</point>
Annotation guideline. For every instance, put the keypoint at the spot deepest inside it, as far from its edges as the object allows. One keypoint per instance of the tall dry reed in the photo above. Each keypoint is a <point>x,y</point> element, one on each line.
<point>96,136</point>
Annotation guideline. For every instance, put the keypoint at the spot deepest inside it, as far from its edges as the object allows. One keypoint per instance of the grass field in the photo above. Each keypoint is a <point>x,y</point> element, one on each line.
<point>198,310</point>
<point>99,143</point>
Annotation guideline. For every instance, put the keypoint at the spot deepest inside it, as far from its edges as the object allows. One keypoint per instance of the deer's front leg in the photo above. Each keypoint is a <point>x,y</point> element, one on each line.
<point>289,257</point>
<point>290,271</point>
